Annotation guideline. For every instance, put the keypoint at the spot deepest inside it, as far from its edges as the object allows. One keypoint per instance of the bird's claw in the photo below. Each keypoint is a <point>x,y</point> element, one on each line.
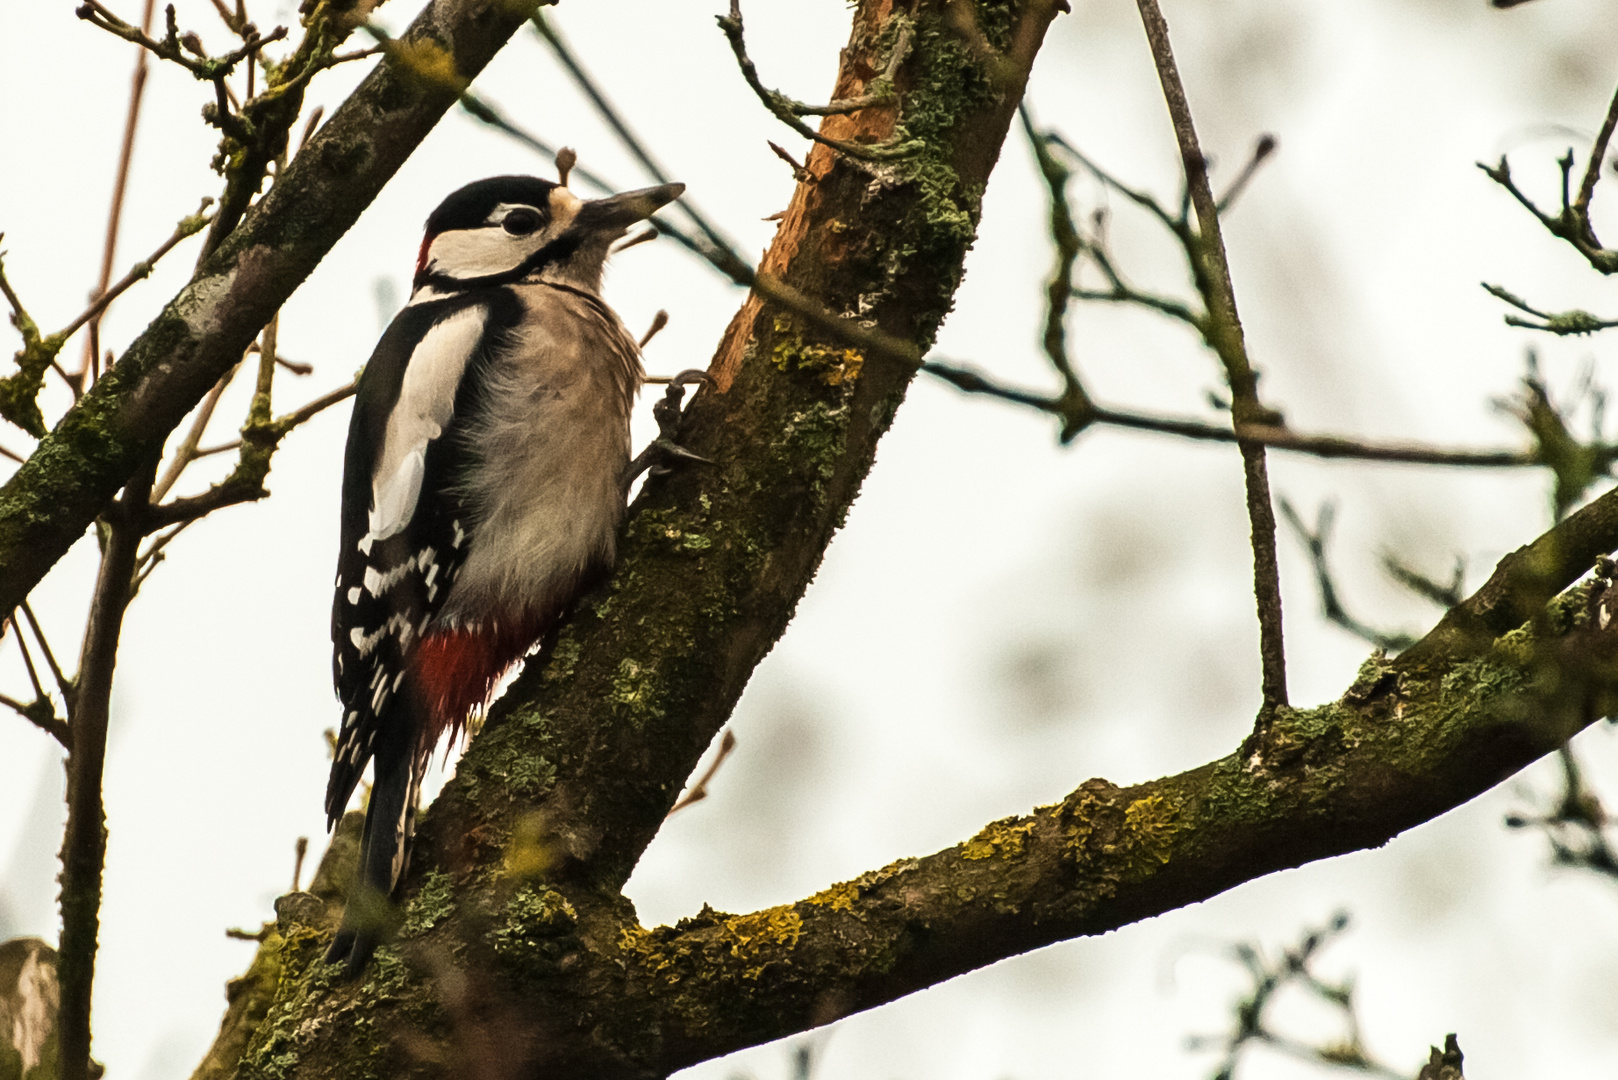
<point>659,457</point>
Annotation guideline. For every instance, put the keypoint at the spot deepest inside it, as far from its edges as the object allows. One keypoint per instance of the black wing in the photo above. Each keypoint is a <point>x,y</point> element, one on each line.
<point>389,588</point>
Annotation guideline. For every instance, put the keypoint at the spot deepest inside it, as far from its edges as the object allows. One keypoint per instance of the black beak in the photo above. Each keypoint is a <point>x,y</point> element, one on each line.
<point>619,212</point>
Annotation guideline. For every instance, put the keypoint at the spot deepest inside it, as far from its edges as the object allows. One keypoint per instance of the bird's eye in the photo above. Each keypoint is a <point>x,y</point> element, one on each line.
<point>520,222</point>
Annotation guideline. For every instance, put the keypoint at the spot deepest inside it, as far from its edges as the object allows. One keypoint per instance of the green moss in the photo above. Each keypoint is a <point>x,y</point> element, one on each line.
<point>564,658</point>
<point>535,930</point>
<point>433,903</point>
<point>637,693</point>
<point>514,753</point>
<point>811,443</point>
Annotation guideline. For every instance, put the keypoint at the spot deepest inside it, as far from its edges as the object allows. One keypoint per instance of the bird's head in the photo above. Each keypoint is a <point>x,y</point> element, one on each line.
<point>508,228</point>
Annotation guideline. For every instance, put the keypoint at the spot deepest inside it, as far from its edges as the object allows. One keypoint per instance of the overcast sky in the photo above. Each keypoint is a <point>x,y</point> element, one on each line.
<point>1001,618</point>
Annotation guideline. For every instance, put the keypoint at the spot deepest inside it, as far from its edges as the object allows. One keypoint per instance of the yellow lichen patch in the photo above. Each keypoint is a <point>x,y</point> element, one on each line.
<point>429,62</point>
<point>833,365</point>
<point>1005,838</point>
<point>839,897</point>
<point>743,945</point>
<point>748,934</point>
<point>1149,825</point>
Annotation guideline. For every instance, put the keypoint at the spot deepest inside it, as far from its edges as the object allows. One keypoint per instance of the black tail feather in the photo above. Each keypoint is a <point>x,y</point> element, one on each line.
<point>384,851</point>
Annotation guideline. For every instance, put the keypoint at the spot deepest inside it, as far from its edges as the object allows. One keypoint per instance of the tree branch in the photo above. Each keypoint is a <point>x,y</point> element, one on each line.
<point>1403,745</point>
<point>1224,334</point>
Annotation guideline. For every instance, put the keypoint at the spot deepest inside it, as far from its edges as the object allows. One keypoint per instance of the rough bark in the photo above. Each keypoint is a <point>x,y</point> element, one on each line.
<point>76,469</point>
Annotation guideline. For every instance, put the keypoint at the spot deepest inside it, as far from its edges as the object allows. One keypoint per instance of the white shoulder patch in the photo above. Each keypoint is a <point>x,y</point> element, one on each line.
<point>426,403</point>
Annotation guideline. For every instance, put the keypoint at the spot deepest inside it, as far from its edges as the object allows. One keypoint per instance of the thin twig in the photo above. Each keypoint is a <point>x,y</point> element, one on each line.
<point>1077,410</point>
<point>245,484</point>
<point>699,791</point>
<point>1261,152</point>
<point>491,115</point>
<point>52,725</point>
<point>90,367</point>
<point>1316,542</point>
<point>1598,153</point>
<point>172,46</point>
<point>1560,323</point>
<point>1212,271</point>
<point>27,660</point>
<point>63,684</point>
<point>187,227</point>
<point>186,452</point>
<point>788,110</point>
<point>1273,436</point>
<point>1567,225</point>
<point>626,136</point>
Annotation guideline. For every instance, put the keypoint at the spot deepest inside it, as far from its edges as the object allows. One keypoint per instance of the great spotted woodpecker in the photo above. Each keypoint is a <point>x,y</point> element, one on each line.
<point>483,486</point>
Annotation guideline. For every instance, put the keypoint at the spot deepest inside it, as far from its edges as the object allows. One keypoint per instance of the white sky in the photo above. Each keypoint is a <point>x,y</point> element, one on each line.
<point>1002,618</point>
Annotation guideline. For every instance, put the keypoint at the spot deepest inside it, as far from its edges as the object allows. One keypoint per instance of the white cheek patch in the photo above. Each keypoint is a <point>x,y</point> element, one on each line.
<point>426,403</point>
<point>474,253</point>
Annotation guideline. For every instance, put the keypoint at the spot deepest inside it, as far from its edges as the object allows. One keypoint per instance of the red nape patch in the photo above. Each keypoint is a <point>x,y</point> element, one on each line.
<point>421,257</point>
<point>456,669</point>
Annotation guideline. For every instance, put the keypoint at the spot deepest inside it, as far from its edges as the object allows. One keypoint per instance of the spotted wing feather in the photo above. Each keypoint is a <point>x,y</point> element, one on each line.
<point>397,559</point>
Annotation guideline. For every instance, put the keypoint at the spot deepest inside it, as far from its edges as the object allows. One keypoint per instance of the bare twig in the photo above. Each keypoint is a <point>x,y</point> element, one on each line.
<point>659,321</point>
<point>89,368</point>
<point>1294,968</point>
<point>42,716</point>
<point>27,659</point>
<point>1576,825</point>
<point>1261,152</point>
<point>626,136</point>
<point>246,482</point>
<point>1273,436</point>
<point>1560,323</point>
<point>1315,541</point>
<point>489,114</point>
<point>1212,272</point>
<point>300,850</point>
<point>154,554</point>
<point>699,791</point>
<point>1568,224</point>
<point>172,46</point>
<point>63,683</point>
<point>1445,594</point>
<point>1076,408</point>
<point>186,228</point>
<point>186,452</point>
<point>799,173</point>
<point>1592,168</point>
<point>880,91</point>
<point>19,391</point>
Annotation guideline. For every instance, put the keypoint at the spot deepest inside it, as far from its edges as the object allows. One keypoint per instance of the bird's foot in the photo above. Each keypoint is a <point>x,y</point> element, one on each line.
<point>663,454</point>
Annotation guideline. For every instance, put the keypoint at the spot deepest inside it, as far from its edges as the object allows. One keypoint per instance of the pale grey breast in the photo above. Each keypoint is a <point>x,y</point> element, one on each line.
<point>552,432</point>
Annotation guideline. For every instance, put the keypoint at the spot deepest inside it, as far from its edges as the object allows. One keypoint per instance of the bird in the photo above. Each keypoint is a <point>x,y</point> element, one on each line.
<point>484,482</point>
